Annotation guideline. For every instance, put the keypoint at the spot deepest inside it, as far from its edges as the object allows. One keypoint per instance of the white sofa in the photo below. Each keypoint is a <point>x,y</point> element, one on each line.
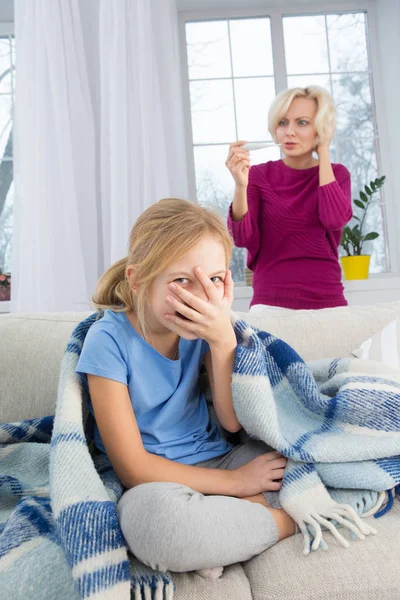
<point>31,349</point>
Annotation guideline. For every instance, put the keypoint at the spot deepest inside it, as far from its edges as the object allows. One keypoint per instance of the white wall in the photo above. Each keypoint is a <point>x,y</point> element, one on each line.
<point>185,5</point>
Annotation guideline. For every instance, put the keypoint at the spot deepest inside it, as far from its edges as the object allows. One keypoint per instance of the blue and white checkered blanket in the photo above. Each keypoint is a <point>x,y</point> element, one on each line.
<point>59,534</point>
<point>337,421</point>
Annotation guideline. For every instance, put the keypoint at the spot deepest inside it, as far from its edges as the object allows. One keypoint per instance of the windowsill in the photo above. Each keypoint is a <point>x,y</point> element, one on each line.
<point>374,282</point>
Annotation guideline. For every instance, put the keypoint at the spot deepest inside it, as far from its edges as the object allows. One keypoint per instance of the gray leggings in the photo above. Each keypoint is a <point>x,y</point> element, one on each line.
<point>169,526</point>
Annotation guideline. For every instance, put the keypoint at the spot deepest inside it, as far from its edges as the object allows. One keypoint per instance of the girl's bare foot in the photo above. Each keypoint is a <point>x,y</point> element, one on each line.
<point>214,573</point>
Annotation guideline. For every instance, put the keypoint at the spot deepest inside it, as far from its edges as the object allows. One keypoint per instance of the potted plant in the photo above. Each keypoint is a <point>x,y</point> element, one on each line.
<point>355,263</point>
<point>5,286</point>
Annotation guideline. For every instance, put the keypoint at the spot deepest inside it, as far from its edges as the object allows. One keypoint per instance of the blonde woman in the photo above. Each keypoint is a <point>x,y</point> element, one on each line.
<point>193,502</point>
<point>289,214</point>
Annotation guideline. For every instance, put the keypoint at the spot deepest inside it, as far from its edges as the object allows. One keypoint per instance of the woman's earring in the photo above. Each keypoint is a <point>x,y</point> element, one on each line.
<point>314,152</point>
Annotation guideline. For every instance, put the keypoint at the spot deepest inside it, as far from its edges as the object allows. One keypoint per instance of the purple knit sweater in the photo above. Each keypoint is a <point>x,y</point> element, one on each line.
<point>292,231</point>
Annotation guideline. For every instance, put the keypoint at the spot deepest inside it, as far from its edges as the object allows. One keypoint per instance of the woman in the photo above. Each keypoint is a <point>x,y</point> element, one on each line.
<point>289,214</point>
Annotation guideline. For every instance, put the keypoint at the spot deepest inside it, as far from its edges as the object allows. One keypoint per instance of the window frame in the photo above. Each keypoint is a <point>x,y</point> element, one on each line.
<point>6,28</point>
<point>385,165</point>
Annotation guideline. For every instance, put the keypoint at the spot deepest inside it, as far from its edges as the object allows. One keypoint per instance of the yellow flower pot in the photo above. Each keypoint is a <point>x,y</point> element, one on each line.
<point>355,267</point>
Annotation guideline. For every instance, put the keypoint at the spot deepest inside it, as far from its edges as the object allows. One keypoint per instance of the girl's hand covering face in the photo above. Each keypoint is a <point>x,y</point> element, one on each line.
<point>206,319</point>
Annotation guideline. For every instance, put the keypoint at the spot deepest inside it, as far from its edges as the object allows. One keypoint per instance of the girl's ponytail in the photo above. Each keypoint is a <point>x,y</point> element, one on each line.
<point>112,290</point>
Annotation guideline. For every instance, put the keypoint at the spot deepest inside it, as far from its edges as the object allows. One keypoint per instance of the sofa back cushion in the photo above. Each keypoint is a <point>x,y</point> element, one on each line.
<point>31,350</point>
<point>32,346</point>
<point>326,333</point>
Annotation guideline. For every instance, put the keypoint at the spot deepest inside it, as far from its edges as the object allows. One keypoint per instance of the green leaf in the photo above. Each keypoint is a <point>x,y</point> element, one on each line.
<point>366,188</point>
<point>359,204</point>
<point>357,218</point>
<point>363,197</point>
<point>373,186</point>
<point>355,236</point>
<point>371,236</point>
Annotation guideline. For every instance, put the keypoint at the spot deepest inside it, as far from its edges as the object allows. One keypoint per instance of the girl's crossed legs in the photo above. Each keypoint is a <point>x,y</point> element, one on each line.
<point>169,526</point>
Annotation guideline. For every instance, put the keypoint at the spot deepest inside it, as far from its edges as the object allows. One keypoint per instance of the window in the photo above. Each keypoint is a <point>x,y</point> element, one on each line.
<point>7,87</point>
<point>332,51</point>
<point>230,65</point>
<point>231,82</point>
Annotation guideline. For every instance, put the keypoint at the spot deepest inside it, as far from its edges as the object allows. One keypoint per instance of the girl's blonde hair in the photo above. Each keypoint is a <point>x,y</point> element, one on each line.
<point>164,233</point>
<point>325,119</point>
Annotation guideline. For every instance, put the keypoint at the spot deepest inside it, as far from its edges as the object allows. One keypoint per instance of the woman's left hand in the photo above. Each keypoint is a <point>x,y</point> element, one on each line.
<point>208,319</point>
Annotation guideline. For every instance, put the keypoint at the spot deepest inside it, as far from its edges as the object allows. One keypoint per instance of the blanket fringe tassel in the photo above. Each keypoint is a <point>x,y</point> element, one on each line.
<point>343,515</point>
<point>161,591</point>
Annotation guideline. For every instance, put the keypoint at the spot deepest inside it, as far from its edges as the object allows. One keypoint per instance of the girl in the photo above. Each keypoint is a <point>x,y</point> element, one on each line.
<point>290,213</point>
<point>193,502</point>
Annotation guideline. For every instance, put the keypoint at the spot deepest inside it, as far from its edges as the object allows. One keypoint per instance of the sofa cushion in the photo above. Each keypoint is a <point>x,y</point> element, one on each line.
<point>384,346</point>
<point>326,333</point>
<point>31,351</point>
<point>233,585</point>
<point>367,570</point>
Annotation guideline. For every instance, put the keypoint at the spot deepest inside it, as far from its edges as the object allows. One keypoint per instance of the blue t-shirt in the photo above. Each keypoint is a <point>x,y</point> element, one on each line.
<point>170,409</point>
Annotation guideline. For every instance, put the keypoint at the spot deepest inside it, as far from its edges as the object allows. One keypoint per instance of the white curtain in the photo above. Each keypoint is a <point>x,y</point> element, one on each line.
<point>98,138</point>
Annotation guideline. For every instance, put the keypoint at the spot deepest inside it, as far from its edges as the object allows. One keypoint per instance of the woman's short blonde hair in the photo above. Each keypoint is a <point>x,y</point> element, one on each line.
<point>325,119</point>
<point>163,233</point>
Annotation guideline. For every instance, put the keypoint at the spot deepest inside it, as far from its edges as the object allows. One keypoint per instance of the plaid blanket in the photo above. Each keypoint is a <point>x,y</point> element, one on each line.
<point>59,534</point>
<point>337,421</point>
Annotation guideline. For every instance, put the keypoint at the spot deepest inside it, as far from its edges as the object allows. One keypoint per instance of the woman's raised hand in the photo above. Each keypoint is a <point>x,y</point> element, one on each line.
<point>323,148</point>
<point>238,162</point>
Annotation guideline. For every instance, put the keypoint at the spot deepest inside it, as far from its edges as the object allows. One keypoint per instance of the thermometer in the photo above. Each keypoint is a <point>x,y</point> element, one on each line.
<point>259,145</point>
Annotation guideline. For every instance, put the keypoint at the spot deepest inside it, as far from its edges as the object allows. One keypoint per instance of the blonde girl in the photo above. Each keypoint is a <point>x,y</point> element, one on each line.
<point>289,213</point>
<point>192,500</point>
